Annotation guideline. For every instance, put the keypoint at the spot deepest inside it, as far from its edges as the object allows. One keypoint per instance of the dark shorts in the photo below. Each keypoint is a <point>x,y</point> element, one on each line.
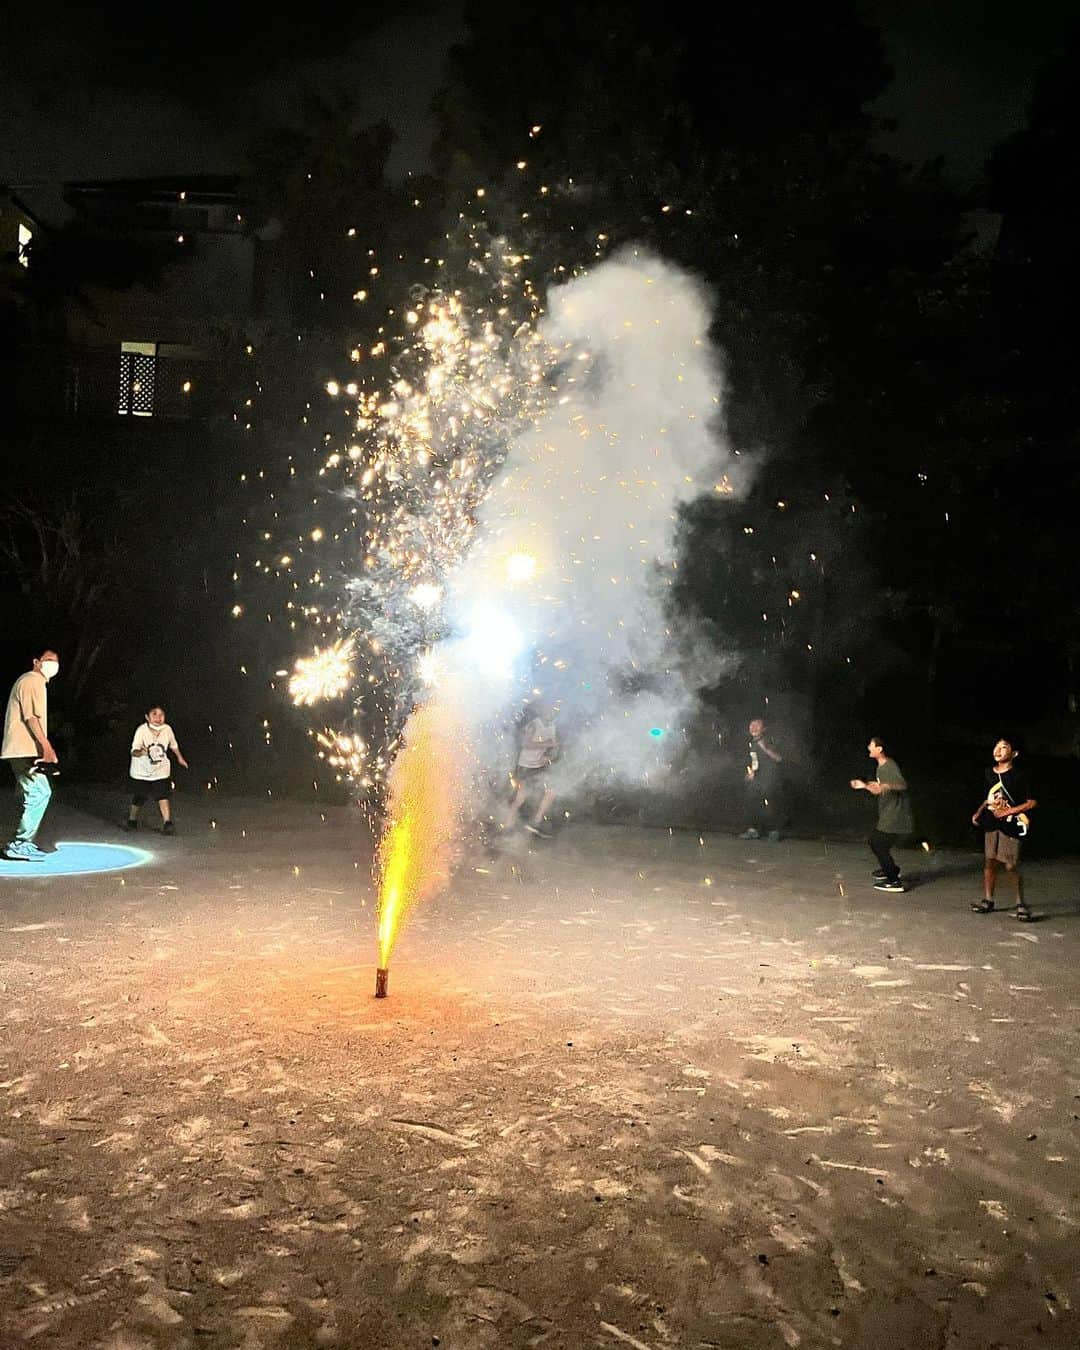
<point>1002,848</point>
<point>531,778</point>
<point>159,790</point>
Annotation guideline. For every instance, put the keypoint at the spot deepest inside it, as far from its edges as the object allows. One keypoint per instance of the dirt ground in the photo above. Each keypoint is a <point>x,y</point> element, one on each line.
<point>630,1089</point>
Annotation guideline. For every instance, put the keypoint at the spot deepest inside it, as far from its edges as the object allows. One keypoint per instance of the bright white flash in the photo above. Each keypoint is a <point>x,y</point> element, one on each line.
<point>493,640</point>
<point>426,595</point>
<point>520,567</point>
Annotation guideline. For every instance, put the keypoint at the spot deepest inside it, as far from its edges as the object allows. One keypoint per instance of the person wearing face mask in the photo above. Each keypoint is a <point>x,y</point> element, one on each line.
<point>27,749</point>
<point>151,772</point>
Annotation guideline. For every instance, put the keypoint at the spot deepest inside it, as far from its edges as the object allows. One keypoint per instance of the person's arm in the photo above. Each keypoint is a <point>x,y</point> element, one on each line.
<point>179,757</point>
<point>138,745</point>
<point>46,753</point>
<point>1006,810</point>
<point>773,754</point>
<point>892,782</point>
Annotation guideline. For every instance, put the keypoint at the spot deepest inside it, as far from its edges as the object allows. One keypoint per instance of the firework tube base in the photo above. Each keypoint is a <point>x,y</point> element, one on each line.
<point>381,978</point>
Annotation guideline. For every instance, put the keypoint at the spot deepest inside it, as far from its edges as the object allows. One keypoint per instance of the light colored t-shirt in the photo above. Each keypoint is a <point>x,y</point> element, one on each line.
<point>157,742</point>
<point>538,744</point>
<point>28,698</point>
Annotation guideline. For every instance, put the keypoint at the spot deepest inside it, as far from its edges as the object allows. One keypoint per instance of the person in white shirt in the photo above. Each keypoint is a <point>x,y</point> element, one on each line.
<point>151,771</point>
<point>28,750</point>
<point>539,750</point>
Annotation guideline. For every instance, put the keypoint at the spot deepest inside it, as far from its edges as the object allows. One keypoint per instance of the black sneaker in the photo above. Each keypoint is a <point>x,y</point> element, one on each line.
<point>896,887</point>
<point>1024,914</point>
<point>982,906</point>
<point>168,828</point>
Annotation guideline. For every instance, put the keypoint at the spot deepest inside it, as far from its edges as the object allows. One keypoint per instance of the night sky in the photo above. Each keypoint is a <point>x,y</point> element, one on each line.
<point>94,91</point>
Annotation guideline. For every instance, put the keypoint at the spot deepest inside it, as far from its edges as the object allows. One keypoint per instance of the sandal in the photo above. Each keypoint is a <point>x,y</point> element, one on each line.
<point>983,907</point>
<point>1024,914</point>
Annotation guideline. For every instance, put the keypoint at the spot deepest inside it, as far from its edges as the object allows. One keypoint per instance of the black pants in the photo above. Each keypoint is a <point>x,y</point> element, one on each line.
<point>764,805</point>
<point>882,845</point>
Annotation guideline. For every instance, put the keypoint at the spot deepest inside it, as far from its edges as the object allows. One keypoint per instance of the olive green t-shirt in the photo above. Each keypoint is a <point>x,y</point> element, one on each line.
<point>894,808</point>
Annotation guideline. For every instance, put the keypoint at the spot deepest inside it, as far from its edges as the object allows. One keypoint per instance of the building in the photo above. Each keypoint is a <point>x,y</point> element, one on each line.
<point>18,228</point>
<point>155,280</point>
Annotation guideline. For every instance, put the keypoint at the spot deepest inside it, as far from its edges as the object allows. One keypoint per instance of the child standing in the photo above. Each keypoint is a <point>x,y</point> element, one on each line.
<point>1003,815</point>
<point>151,772</point>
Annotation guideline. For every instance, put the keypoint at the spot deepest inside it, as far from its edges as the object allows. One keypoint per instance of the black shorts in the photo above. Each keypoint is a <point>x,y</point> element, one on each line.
<point>156,790</point>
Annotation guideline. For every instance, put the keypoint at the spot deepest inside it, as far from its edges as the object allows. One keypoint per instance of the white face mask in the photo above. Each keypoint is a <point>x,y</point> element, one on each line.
<point>49,668</point>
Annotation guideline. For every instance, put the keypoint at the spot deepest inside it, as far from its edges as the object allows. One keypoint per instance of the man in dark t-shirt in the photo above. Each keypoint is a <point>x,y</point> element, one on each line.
<point>894,822</point>
<point>763,783</point>
<point>1003,816</point>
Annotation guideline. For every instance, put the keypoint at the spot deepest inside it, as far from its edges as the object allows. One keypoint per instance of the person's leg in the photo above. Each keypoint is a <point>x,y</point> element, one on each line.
<point>139,790</point>
<point>773,810</point>
<point>1012,870</point>
<point>753,812</point>
<point>546,802</point>
<point>1017,883</point>
<point>36,793</point>
<point>881,847</point>
<point>990,871</point>
<point>516,804</point>
<point>163,794</point>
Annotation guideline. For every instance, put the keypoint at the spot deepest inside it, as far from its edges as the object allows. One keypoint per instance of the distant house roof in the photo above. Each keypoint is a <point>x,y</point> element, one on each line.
<point>197,189</point>
<point>9,194</point>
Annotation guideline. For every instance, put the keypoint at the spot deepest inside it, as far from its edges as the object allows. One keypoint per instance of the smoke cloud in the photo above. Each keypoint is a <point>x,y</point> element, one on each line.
<point>578,542</point>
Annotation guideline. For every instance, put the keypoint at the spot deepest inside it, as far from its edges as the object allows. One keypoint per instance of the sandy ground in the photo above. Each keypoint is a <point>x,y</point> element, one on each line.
<point>629,1090</point>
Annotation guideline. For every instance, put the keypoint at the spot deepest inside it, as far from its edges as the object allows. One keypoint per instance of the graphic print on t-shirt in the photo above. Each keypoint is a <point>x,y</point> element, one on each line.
<point>999,795</point>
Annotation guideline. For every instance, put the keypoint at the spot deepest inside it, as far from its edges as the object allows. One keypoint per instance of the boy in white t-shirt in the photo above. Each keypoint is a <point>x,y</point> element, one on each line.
<point>539,750</point>
<point>151,772</point>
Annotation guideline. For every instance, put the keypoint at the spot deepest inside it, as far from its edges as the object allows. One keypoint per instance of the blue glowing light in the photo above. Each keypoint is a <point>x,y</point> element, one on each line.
<point>73,859</point>
<point>656,732</point>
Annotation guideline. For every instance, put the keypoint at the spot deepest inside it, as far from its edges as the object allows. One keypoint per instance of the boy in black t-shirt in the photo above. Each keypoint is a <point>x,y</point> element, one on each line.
<point>764,770</point>
<point>1003,816</point>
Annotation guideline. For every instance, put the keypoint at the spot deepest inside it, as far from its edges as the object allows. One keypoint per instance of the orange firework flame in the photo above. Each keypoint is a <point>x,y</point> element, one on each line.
<point>420,845</point>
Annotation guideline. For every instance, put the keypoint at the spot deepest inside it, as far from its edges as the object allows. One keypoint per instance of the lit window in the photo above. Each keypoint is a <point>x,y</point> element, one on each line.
<point>26,236</point>
<point>138,362</point>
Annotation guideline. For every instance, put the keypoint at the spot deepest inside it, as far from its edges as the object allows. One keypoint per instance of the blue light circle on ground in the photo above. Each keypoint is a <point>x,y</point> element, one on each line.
<point>657,732</point>
<point>77,859</point>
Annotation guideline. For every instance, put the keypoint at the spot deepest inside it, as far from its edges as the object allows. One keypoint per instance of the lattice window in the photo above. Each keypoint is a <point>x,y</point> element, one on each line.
<point>138,367</point>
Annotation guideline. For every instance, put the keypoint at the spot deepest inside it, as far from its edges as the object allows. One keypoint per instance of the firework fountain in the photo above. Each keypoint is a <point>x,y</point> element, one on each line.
<point>521,492</point>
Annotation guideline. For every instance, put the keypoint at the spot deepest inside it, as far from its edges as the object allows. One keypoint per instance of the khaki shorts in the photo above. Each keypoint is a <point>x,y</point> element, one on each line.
<point>1002,848</point>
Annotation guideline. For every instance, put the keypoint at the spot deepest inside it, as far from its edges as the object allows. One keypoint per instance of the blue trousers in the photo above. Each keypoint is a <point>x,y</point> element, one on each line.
<point>36,794</point>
